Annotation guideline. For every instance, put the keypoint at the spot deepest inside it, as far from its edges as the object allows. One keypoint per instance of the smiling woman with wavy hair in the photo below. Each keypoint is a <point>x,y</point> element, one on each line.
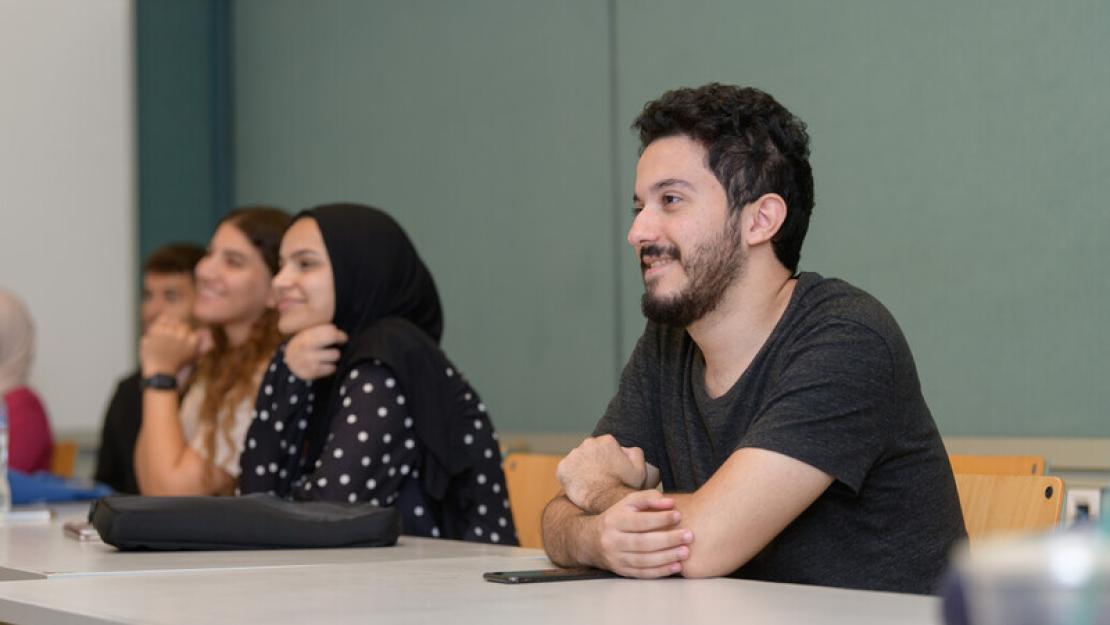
<point>193,448</point>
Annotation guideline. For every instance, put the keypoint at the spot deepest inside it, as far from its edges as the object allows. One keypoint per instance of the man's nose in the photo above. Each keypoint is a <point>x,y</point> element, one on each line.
<point>644,229</point>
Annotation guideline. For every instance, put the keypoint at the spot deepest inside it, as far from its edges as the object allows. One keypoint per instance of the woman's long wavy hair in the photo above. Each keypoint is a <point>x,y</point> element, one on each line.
<point>231,372</point>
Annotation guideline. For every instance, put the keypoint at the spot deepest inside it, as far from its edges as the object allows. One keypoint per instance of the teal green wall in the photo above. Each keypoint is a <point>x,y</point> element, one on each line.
<point>483,126</point>
<point>959,152</point>
<point>961,163</point>
<point>184,100</point>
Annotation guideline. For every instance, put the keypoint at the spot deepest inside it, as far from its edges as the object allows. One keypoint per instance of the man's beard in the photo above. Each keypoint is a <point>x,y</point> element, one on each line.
<point>711,269</point>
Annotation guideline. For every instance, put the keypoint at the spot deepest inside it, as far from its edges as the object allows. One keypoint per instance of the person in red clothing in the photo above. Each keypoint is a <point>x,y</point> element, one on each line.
<point>29,441</point>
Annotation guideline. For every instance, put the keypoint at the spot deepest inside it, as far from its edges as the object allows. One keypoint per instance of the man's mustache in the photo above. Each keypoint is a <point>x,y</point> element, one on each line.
<point>658,251</point>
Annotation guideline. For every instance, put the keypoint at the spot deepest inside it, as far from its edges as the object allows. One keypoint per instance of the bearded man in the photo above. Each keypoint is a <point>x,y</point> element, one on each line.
<point>780,411</point>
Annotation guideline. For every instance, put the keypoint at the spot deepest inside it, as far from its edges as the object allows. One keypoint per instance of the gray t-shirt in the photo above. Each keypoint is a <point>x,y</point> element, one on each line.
<point>835,387</point>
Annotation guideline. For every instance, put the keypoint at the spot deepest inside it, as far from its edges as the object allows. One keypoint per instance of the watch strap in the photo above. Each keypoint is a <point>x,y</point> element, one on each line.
<point>160,381</point>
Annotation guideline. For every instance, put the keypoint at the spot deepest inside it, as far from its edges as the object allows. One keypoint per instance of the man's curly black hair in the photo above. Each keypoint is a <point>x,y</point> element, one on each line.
<point>755,146</point>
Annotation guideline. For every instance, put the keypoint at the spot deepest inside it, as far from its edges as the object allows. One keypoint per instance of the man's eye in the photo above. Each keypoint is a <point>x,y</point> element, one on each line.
<point>670,199</point>
<point>235,260</point>
<point>172,297</point>
<point>636,210</point>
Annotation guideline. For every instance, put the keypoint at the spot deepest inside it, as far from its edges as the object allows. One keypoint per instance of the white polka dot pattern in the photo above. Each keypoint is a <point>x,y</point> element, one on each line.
<point>374,447</point>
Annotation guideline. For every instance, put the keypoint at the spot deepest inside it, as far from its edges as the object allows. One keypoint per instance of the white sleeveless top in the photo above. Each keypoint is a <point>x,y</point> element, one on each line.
<point>226,452</point>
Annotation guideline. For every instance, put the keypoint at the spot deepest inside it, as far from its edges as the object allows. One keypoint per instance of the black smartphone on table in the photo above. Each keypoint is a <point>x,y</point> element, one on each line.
<point>545,575</point>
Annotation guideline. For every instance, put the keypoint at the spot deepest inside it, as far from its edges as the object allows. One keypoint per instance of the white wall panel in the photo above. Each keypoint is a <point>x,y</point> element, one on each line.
<point>67,194</point>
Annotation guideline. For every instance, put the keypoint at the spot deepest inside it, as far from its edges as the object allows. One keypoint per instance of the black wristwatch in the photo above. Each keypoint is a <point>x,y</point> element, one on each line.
<point>161,381</point>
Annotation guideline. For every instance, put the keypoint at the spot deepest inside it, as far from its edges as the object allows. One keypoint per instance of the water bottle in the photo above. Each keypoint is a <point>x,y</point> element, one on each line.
<point>5,489</point>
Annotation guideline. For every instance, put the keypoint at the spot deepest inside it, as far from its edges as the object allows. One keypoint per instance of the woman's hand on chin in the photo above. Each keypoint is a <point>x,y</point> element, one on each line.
<point>167,346</point>
<point>313,352</point>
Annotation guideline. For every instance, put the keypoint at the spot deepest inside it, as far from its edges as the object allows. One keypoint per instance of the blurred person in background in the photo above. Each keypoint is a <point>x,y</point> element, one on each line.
<point>30,443</point>
<point>168,289</point>
<point>192,447</point>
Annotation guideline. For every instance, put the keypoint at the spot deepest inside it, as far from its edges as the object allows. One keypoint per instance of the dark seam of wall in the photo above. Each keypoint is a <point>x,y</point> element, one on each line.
<point>183,105</point>
<point>615,195</point>
<point>221,103</point>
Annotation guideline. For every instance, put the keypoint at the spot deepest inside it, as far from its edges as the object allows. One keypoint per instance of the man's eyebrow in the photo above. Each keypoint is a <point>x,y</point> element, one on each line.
<point>665,183</point>
<point>302,252</point>
<point>671,182</point>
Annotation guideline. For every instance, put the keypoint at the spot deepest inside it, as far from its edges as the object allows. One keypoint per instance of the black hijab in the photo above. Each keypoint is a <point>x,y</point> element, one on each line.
<point>376,271</point>
<point>387,304</point>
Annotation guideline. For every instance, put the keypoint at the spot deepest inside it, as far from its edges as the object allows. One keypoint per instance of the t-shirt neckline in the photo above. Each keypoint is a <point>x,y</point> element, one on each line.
<point>805,281</point>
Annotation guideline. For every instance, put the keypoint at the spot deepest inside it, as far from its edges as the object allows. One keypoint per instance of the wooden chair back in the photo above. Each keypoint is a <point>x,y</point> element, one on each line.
<point>63,458</point>
<point>997,465</point>
<point>1002,504</point>
<point>531,481</point>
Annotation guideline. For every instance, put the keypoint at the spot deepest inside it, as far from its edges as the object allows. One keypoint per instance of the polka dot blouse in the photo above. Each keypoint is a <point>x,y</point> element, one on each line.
<point>372,454</point>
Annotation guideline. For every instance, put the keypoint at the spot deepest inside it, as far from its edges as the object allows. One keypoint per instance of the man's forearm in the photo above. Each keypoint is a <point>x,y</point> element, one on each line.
<point>603,499</point>
<point>753,496</point>
<point>567,532</point>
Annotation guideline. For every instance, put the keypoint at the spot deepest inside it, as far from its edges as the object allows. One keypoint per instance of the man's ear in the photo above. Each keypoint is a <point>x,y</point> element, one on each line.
<point>766,215</point>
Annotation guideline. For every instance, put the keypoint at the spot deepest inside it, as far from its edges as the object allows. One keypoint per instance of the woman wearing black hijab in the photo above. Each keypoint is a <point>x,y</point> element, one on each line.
<point>361,404</point>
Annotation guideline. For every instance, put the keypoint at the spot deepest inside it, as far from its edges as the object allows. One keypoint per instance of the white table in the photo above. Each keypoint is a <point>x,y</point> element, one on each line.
<point>417,581</point>
<point>440,590</point>
<point>42,550</point>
